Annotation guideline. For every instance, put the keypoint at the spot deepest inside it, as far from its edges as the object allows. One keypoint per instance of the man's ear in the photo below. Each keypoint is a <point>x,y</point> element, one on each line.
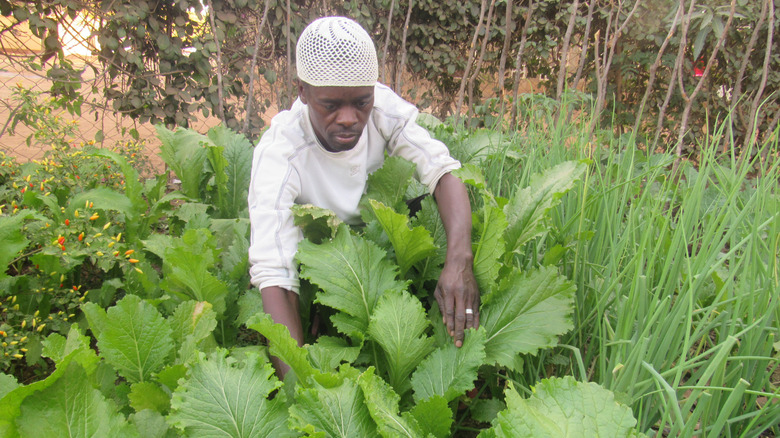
<point>302,92</point>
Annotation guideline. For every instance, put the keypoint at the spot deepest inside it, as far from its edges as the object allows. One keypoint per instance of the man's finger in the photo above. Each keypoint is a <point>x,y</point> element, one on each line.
<point>470,314</point>
<point>449,313</point>
<point>460,321</point>
<point>440,302</point>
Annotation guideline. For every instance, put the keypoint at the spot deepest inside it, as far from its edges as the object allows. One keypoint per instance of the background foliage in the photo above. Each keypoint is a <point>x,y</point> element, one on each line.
<point>165,61</point>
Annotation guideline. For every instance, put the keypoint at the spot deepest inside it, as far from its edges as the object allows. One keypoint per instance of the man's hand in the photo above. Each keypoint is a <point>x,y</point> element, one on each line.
<point>457,292</point>
<point>458,298</point>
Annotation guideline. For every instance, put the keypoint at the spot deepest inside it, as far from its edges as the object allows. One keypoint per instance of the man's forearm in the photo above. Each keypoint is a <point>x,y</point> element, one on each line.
<point>282,305</point>
<point>455,211</point>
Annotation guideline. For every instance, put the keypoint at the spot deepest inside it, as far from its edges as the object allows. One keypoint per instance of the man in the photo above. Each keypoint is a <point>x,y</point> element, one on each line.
<point>321,151</point>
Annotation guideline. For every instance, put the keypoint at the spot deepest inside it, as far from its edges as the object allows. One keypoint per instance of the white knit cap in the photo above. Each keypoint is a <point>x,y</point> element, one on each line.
<point>336,52</point>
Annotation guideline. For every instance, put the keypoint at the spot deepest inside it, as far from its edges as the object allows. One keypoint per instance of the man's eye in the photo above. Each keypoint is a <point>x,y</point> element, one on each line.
<point>330,106</point>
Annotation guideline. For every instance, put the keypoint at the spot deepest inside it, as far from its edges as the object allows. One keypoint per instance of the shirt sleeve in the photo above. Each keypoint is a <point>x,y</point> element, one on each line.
<point>412,142</point>
<point>274,237</point>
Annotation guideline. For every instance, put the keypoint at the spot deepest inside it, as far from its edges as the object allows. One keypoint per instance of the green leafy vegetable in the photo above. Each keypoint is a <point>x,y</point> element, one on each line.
<point>132,336</point>
<point>398,325</point>
<point>528,208</point>
<point>411,245</point>
<point>71,404</point>
<point>336,408</point>
<point>353,273</point>
<point>527,312</point>
<point>223,397</point>
<point>450,371</point>
<point>563,407</point>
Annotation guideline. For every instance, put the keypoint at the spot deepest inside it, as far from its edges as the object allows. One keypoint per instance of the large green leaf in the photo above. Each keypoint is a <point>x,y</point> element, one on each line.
<point>527,312</point>
<point>352,273</point>
<point>12,241</point>
<point>236,151</point>
<point>191,324</point>
<point>7,384</point>
<point>560,408</point>
<point>382,403</point>
<point>317,224</point>
<point>132,336</point>
<point>329,352</point>
<point>186,265</point>
<point>388,185</point>
<point>224,398</point>
<point>283,346</point>
<point>488,248</point>
<point>411,245</point>
<point>430,267</point>
<point>398,325</point>
<point>450,371</point>
<point>337,409</point>
<point>183,151</point>
<point>434,416</point>
<point>71,407</point>
<point>527,209</point>
<point>10,403</point>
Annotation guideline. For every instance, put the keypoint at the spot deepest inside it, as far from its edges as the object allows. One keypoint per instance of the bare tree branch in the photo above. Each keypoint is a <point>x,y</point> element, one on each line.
<point>519,58</point>
<point>752,131</point>
<point>737,93</point>
<point>691,99</point>
<point>675,70</point>
<point>467,70</point>
<point>656,64</point>
<point>253,68</point>
<point>585,42</point>
<point>221,106</point>
<point>402,64</point>
<point>478,67</point>
<point>565,49</point>
<point>387,39</point>
<point>509,24</point>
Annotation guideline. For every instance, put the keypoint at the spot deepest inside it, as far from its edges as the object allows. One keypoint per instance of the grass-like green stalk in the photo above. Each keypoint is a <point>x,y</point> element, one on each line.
<point>677,278</point>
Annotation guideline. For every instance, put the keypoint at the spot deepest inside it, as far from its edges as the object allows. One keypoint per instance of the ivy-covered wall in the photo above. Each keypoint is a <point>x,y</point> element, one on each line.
<point>657,67</point>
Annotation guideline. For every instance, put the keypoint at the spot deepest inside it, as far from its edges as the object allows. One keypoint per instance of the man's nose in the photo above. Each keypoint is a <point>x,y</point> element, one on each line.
<point>347,116</point>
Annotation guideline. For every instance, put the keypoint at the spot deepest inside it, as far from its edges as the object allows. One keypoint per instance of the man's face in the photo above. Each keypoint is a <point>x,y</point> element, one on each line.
<point>338,114</point>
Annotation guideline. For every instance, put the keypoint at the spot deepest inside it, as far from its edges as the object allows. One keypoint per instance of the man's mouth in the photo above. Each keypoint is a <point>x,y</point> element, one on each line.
<point>346,136</point>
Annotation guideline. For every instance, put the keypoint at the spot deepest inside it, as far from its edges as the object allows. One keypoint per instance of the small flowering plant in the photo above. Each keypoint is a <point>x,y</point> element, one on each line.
<point>62,220</point>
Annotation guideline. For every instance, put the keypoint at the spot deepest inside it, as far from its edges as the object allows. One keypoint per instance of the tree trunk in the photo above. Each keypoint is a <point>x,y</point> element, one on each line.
<point>686,19</point>
<point>585,42</point>
<point>387,40</point>
<point>752,132</point>
<point>289,84</point>
<point>467,70</point>
<point>565,50</point>
<point>692,98</point>
<point>220,105</point>
<point>602,73</point>
<point>516,85</point>
<point>654,67</point>
<point>737,93</point>
<point>253,69</point>
<point>402,65</point>
<point>501,90</point>
<point>478,66</point>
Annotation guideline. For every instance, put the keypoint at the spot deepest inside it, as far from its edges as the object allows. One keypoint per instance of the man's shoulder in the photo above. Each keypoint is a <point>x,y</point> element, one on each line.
<point>390,105</point>
<point>285,131</point>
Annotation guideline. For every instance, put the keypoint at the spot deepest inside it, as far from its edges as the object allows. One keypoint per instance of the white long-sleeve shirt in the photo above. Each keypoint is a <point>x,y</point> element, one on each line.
<point>290,166</point>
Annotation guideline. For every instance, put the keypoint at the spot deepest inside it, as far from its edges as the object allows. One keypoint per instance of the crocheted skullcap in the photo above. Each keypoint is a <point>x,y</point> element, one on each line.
<point>336,52</point>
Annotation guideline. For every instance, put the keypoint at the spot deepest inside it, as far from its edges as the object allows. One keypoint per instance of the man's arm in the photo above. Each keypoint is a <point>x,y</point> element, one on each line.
<point>457,288</point>
<point>282,305</point>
